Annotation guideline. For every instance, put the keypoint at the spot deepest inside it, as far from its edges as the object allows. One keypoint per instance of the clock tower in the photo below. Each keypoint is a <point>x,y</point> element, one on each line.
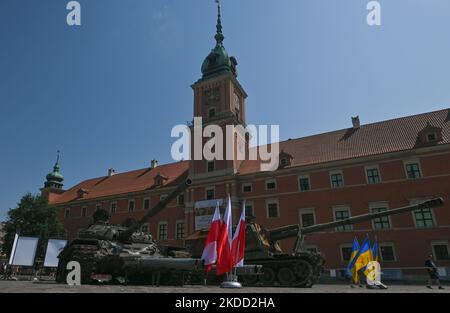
<point>219,99</point>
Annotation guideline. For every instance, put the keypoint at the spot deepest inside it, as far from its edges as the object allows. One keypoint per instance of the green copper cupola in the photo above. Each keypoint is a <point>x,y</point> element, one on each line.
<point>55,179</point>
<point>218,62</point>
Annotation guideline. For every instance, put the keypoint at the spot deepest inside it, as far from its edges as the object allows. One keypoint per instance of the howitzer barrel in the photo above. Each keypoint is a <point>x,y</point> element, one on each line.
<point>148,263</point>
<point>155,210</point>
<point>293,230</point>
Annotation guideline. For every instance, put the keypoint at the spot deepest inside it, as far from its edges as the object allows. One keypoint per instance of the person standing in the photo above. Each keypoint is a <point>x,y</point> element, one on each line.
<point>433,272</point>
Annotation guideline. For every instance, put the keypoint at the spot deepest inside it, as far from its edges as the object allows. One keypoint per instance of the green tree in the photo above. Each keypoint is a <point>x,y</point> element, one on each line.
<point>34,217</point>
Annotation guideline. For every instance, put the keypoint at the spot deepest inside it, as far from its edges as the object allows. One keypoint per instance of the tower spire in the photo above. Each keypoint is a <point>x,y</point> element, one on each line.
<point>57,156</point>
<point>219,35</point>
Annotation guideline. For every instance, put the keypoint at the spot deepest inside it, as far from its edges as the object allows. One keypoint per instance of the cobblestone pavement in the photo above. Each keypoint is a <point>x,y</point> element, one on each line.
<point>51,287</point>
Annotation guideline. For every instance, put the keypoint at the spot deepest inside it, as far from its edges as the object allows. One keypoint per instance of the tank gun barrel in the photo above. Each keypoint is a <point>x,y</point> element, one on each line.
<point>125,235</point>
<point>293,230</point>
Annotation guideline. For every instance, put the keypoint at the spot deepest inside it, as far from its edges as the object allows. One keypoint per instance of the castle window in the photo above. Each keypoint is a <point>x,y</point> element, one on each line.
<point>271,184</point>
<point>211,112</point>
<point>342,213</point>
<point>146,203</point>
<point>413,170</point>
<point>145,229</point>
<point>179,230</point>
<point>209,193</point>
<point>162,230</point>
<point>284,162</point>
<point>373,175</point>
<point>381,222</point>
<point>113,207</point>
<point>272,209</point>
<point>440,251</point>
<point>432,137</point>
<point>131,206</point>
<point>247,188</point>
<point>249,210</point>
<point>210,166</point>
<point>337,179</point>
<point>424,218</point>
<point>387,252</point>
<point>98,207</point>
<point>307,217</point>
<point>303,183</point>
<point>346,252</point>
<point>67,213</point>
<point>181,199</point>
<point>162,197</point>
<point>83,211</point>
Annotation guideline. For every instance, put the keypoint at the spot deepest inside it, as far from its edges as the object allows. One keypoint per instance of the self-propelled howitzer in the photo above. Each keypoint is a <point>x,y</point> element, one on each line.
<point>301,268</point>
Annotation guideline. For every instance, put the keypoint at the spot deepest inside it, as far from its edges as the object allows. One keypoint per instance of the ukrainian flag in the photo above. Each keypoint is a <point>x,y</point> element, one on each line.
<point>375,251</point>
<point>364,255</point>
<point>351,270</point>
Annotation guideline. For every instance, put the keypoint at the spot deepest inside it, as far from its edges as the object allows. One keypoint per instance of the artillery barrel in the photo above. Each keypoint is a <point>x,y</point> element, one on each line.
<point>124,236</point>
<point>149,263</point>
<point>293,230</point>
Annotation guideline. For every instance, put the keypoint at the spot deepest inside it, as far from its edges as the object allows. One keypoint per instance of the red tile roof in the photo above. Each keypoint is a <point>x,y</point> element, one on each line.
<point>372,139</point>
<point>122,183</point>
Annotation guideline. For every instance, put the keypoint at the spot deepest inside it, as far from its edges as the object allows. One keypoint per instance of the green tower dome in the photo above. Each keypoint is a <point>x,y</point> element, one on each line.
<point>218,62</point>
<point>55,178</point>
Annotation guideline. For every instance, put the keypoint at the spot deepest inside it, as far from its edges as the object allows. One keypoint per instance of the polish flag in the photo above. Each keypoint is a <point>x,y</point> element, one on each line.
<point>209,255</point>
<point>224,258</point>
<point>238,244</point>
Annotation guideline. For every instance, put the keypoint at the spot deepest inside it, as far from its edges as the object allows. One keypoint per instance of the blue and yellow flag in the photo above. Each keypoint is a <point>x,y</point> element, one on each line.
<point>364,255</point>
<point>375,251</point>
<point>351,270</point>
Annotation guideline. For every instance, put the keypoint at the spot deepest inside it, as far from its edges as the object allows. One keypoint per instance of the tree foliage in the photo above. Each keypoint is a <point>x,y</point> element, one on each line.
<point>34,217</point>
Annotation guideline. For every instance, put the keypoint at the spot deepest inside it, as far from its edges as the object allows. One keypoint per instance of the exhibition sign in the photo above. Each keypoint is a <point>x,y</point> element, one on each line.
<point>54,248</point>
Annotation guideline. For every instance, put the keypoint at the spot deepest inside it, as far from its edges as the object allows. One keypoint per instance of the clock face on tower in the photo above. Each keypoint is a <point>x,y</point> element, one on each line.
<point>237,101</point>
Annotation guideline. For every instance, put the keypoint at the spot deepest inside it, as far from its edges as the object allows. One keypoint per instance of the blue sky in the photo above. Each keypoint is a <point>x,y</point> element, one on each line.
<point>108,93</point>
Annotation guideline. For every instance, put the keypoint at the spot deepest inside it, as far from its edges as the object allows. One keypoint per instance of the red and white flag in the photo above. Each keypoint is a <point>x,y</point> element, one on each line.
<point>238,244</point>
<point>210,252</point>
<point>224,258</point>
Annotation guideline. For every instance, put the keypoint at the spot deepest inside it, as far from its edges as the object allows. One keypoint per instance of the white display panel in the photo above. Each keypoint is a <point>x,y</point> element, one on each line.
<point>25,251</point>
<point>54,248</point>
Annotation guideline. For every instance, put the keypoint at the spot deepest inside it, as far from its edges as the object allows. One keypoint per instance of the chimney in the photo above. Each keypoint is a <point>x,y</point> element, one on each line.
<point>111,172</point>
<point>355,122</point>
<point>154,164</point>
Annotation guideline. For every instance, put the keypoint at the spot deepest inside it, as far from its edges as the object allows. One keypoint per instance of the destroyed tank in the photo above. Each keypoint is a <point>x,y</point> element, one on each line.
<point>300,267</point>
<point>106,252</point>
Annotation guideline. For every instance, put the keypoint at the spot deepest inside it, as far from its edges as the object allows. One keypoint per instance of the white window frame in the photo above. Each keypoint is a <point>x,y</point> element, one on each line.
<point>146,225</point>
<point>66,213</point>
<point>306,211</point>
<point>409,162</point>
<point>331,173</point>
<point>213,188</point>
<point>342,208</point>
<point>167,230</point>
<point>111,206</point>
<point>134,205</point>
<point>303,177</point>
<point>419,200</point>
<point>373,167</point>
<point>271,201</point>
<point>247,185</point>
<point>250,203</point>
<point>439,243</point>
<point>377,205</point>
<point>387,244</point>
<point>149,203</point>
<point>85,209</point>
<point>177,222</point>
<point>272,180</point>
